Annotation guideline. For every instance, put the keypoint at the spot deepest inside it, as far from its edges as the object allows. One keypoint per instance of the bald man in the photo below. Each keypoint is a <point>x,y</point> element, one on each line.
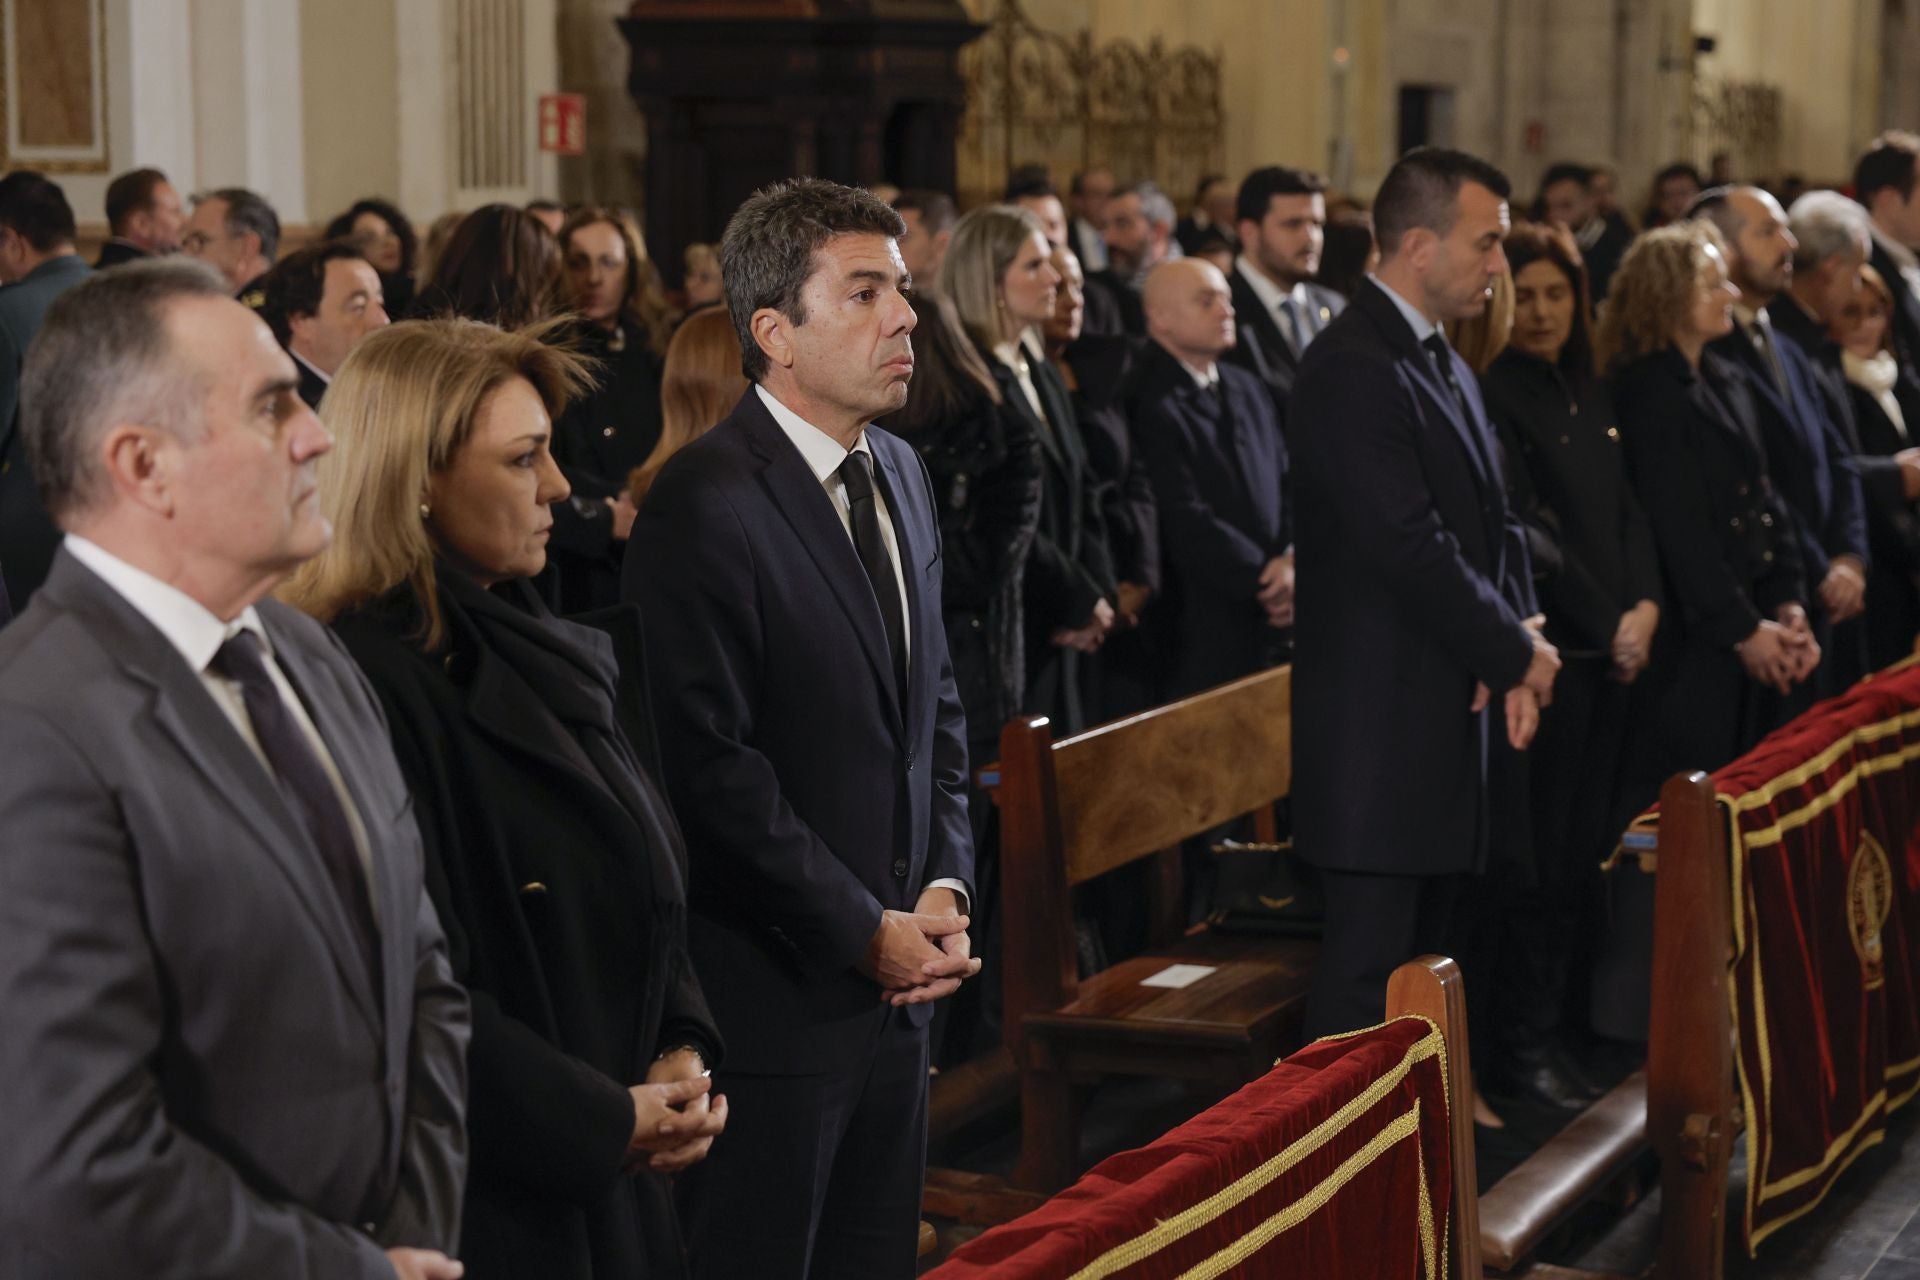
<point>1211,441</point>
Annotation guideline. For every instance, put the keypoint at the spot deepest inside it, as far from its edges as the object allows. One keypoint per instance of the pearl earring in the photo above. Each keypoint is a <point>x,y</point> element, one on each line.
<point>425,511</point>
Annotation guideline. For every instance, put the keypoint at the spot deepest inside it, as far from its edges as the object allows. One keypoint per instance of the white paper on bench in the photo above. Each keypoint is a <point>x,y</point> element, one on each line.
<point>1178,975</point>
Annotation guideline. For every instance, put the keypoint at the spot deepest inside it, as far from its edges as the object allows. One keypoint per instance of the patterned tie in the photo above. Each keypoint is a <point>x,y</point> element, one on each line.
<point>304,782</point>
<point>856,473</point>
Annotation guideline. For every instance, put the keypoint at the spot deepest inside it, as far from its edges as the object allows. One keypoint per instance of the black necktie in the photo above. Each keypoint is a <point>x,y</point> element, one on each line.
<point>856,473</point>
<point>1443,357</point>
<point>304,782</point>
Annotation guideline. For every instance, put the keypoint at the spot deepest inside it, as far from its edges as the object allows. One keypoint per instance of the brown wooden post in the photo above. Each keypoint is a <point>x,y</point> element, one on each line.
<point>1690,1098</point>
<point>1432,987</point>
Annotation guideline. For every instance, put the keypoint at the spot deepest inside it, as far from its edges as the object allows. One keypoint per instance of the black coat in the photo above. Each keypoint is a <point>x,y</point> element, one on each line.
<point>1728,554</point>
<point>984,466</point>
<point>560,890</point>
<point>1261,349</point>
<point>1590,543</point>
<point>813,794</point>
<point>1070,568</point>
<point>116,251</point>
<point>313,387</point>
<point>1604,255</point>
<point>1109,295</point>
<point>1412,586</point>
<point>598,441</point>
<point>1219,469</point>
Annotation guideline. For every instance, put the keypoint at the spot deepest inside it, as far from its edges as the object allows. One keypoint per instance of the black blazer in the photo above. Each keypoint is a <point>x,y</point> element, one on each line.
<point>1109,295</point>
<point>1219,471</point>
<point>312,386</point>
<point>561,893</point>
<point>116,251</point>
<point>813,794</point>
<point>984,465</point>
<point>1592,548</point>
<point>1104,371</point>
<point>1412,585</point>
<point>1261,349</point>
<point>1806,454</point>
<point>1726,539</point>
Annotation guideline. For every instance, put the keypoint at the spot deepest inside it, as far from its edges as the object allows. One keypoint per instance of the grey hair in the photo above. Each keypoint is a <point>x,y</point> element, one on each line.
<point>104,355</point>
<point>767,253</point>
<point>1828,225</point>
<point>985,242</point>
<point>1155,205</point>
<point>247,211</point>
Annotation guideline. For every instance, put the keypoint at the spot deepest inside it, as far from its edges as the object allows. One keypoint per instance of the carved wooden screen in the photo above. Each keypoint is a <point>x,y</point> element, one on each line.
<point>1740,118</point>
<point>1040,97</point>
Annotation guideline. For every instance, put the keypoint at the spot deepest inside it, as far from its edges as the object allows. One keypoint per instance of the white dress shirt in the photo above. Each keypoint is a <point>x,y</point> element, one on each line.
<point>1273,298</point>
<point>823,456</point>
<point>197,635</point>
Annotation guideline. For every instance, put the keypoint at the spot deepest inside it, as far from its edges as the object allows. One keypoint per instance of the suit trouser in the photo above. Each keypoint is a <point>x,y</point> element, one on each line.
<point>818,1177</point>
<point>1375,923</point>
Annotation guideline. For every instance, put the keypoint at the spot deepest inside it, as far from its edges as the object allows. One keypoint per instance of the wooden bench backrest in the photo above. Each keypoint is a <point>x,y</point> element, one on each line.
<point>1431,987</point>
<point>1075,809</point>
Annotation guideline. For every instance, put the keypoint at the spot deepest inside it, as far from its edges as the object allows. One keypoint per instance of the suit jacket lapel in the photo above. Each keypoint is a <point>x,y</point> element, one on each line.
<point>1254,456</point>
<point>1270,347</point>
<point>913,557</point>
<point>186,712</point>
<point>805,505</point>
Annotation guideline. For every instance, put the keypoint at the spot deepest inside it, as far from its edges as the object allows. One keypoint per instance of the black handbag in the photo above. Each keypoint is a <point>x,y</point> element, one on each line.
<point>1262,889</point>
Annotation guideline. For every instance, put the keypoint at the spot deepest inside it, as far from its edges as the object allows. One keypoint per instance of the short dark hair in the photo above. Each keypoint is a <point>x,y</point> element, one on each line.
<point>1566,171</point>
<point>1077,185</point>
<point>341,228</point>
<point>935,208</point>
<point>1678,169</point>
<point>1887,163</point>
<point>131,193</point>
<point>499,265</point>
<point>1262,185</point>
<point>104,354</point>
<point>1423,190</point>
<point>767,254</point>
<point>298,282</point>
<point>37,209</point>
<point>1531,242</point>
<point>1023,184</point>
<point>248,211</point>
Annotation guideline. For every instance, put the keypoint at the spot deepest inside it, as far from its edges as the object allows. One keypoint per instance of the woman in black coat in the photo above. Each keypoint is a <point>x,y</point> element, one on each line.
<point>1598,578</point>
<point>999,273</point>
<point>625,325</point>
<point>552,857</point>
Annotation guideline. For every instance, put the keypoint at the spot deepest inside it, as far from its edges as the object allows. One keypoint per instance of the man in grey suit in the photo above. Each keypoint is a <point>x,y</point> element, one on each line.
<point>232,1044</point>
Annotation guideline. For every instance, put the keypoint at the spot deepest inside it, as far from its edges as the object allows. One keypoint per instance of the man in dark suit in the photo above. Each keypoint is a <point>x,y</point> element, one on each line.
<point>319,302</point>
<point>1807,455</point>
<point>237,233</point>
<point>787,565</point>
<point>1886,182</point>
<point>1416,607</point>
<point>1138,234</point>
<point>1212,445</point>
<point>144,218</point>
<point>1834,239</point>
<point>1279,308</point>
<point>234,1047</point>
<point>1566,197</point>
<point>37,264</point>
<point>1088,194</point>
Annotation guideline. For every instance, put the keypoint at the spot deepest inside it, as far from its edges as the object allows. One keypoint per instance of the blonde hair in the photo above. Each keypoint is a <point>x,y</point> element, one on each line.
<point>645,303</point>
<point>1480,339</point>
<point>403,404</point>
<point>1652,292</point>
<point>700,386</point>
<point>985,242</point>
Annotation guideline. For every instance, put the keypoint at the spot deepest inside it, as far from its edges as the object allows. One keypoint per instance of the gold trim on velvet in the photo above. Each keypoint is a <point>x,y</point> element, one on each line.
<point>1248,1184</point>
<point>1397,1130</point>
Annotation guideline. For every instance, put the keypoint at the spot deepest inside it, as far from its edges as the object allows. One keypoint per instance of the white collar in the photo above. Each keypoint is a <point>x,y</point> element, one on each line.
<point>1423,328</point>
<point>311,367</point>
<point>1903,257</point>
<point>1270,294</point>
<point>1207,380</point>
<point>823,454</point>
<point>189,626</point>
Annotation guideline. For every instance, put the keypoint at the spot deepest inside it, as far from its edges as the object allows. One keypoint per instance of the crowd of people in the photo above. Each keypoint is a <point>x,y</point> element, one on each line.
<point>384,887</point>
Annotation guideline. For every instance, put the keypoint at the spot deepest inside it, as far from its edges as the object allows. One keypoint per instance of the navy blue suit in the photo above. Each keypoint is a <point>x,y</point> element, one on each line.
<point>1412,585</point>
<point>1219,471</point>
<point>813,794</point>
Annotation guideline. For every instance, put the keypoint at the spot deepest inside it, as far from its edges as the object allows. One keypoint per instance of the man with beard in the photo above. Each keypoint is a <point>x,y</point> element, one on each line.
<point>1282,215</point>
<point>1139,237</point>
<point>1806,453</point>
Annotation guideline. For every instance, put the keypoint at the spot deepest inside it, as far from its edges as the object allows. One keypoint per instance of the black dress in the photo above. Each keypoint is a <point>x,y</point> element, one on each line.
<point>556,866</point>
<point>598,441</point>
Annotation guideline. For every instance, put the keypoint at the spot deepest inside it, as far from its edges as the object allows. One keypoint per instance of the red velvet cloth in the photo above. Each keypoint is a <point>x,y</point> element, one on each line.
<point>1335,1163</point>
<point>1825,824</point>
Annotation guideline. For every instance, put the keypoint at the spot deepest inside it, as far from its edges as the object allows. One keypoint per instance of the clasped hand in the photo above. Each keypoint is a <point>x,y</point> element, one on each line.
<point>1535,690</point>
<point>921,955</point>
<point>675,1116</point>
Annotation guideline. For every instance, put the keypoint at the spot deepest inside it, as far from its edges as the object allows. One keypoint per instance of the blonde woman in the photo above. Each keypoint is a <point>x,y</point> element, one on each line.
<point>701,385</point>
<point>551,855</point>
<point>1736,627</point>
<point>1000,275</point>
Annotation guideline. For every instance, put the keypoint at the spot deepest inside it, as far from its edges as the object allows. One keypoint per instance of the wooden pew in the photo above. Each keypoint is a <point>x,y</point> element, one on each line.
<point>1428,988</point>
<point>1078,808</point>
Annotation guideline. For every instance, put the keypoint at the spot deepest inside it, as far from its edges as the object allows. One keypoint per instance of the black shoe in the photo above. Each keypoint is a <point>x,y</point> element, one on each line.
<point>1532,1077</point>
